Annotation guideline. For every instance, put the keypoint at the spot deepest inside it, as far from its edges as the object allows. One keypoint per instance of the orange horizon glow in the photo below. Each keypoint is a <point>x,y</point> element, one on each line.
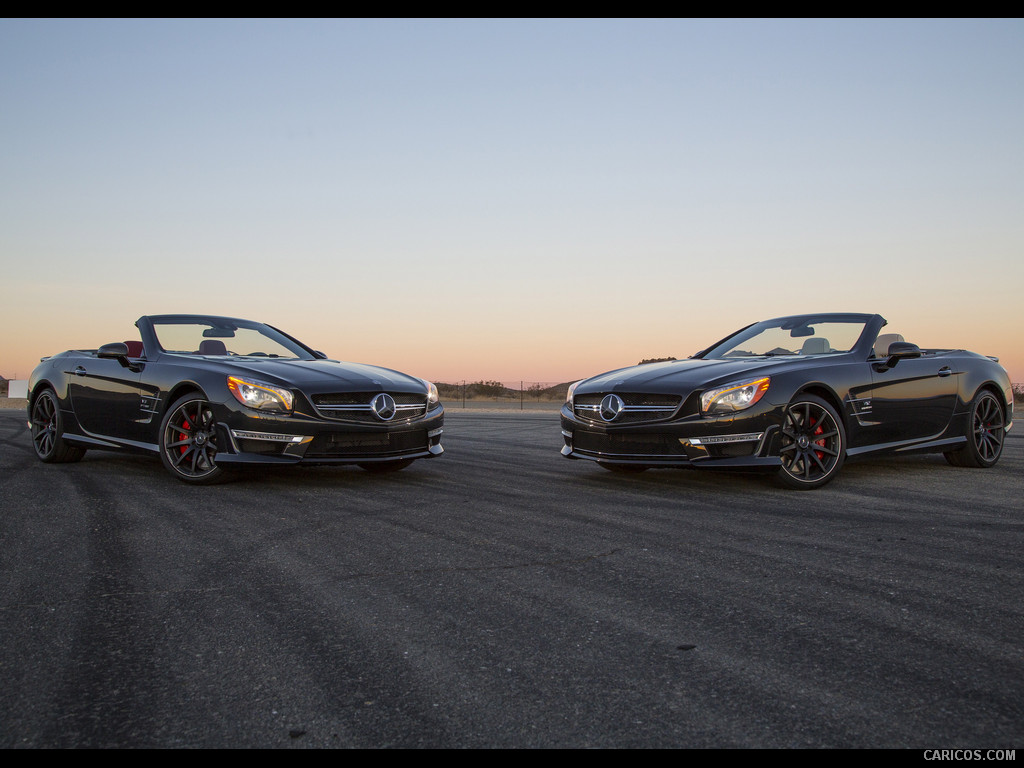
<point>494,357</point>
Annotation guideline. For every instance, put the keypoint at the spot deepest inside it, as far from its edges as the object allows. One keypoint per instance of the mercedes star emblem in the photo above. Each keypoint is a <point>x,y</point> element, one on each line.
<point>611,407</point>
<point>383,405</point>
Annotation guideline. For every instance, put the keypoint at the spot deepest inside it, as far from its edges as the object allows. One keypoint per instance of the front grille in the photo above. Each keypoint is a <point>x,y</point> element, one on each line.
<point>358,444</point>
<point>627,445</point>
<point>355,406</point>
<point>637,407</point>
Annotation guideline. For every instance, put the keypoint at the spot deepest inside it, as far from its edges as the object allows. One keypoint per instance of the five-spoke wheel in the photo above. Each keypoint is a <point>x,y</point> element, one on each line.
<point>985,437</point>
<point>813,443</point>
<point>48,431</point>
<point>188,441</point>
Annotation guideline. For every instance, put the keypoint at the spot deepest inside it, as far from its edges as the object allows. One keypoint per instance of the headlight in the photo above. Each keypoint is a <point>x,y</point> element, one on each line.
<point>571,392</point>
<point>733,397</point>
<point>262,397</point>
<point>432,396</point>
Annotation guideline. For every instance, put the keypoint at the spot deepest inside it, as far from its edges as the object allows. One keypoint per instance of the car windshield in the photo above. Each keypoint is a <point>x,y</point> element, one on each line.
<point>223,337</point>
<point>791,336</point>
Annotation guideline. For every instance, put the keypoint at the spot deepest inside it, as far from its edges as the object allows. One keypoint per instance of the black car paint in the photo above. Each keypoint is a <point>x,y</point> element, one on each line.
<point>916,400</point>
<point>112,401</point>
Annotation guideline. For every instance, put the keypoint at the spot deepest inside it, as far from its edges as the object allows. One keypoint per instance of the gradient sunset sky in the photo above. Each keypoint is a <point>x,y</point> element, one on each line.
<point>536,200</point>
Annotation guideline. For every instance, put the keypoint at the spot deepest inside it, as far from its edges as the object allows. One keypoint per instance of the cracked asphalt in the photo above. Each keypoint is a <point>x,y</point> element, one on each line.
<point>502,596</point>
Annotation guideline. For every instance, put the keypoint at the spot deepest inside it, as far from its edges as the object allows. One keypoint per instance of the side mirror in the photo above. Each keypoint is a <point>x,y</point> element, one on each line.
<point>117,350</point>
<point>901,350</point>
<point>113,351</point>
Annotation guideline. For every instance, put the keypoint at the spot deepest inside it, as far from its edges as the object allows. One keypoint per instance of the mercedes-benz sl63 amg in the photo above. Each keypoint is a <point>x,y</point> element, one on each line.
<point>795,395</point>
<point>208,393</point>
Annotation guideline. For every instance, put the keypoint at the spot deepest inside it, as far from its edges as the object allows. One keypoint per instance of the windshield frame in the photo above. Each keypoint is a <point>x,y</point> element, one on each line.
<point>224,328</point>
<point>727,349</point>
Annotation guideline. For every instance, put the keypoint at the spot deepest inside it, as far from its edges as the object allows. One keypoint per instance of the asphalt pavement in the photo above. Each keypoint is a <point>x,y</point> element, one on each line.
<point>503,596</point>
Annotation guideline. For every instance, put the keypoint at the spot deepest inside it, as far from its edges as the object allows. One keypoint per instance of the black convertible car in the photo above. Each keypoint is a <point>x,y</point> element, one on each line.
<point>796,395</point>
<point>206,393</point>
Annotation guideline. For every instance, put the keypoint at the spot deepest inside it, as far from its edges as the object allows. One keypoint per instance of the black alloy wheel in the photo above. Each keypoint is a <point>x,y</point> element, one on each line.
<point>985,438</point>
<point>813,443</point>
<point>48,431</point>
<point>188,441</point>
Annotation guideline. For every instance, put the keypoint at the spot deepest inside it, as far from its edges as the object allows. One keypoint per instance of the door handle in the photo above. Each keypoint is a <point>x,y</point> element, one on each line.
<point>79,371</point>
<point>945,371</point>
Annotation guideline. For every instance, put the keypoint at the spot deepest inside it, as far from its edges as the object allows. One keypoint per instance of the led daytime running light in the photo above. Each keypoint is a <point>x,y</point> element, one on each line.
<point>734,397</point>
<point>262,397</point>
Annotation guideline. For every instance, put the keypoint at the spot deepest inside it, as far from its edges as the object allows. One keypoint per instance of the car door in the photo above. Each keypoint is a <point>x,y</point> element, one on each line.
<point>913,400</point>
<point>105,397</point>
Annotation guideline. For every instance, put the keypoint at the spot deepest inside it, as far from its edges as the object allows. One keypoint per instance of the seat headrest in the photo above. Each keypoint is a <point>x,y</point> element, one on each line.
<point>815,347</point>
<point>212,347</point>
<point>883,341</point>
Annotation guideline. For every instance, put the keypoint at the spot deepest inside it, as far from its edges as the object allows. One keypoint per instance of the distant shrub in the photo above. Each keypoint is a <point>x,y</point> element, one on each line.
<point>489,389</point>
<point>497,391</point>
<point>1018,393</point>
<point>449,391</point>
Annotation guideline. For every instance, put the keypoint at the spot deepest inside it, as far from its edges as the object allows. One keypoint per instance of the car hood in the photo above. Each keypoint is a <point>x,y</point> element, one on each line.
<point>317,376</point>
<point>679,376</point>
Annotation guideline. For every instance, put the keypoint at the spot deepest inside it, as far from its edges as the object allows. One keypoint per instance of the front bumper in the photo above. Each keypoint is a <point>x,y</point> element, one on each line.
<point>247,437</point>
<point>741,441</point>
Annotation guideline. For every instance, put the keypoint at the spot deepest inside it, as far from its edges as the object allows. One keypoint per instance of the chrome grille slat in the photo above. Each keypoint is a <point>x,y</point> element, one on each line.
<point>357,406</point>
<point>636,407</point>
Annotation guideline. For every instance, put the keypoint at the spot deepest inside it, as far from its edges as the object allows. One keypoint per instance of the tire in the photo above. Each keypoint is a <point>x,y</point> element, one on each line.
<point>813,443</point>
<point>48,431</point>
<point>188,441</point>
<point>382,467</point>
<point>985,435</point>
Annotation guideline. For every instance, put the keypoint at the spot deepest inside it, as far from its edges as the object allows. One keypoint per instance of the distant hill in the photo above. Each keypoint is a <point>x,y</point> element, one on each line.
<point>530,391</point>
<point>496,390</point>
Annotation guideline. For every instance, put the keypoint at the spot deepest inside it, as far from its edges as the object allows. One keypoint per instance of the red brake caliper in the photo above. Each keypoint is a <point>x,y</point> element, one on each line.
<point>818,430</point>
<point>186,426</point>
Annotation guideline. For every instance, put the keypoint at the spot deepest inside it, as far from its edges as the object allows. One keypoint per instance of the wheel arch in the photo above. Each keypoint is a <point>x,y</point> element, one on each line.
<point>984,375</point>
<point>997,392</point>
<point>827,394</point>
<point>178,391</point>
<point>39,387</point>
